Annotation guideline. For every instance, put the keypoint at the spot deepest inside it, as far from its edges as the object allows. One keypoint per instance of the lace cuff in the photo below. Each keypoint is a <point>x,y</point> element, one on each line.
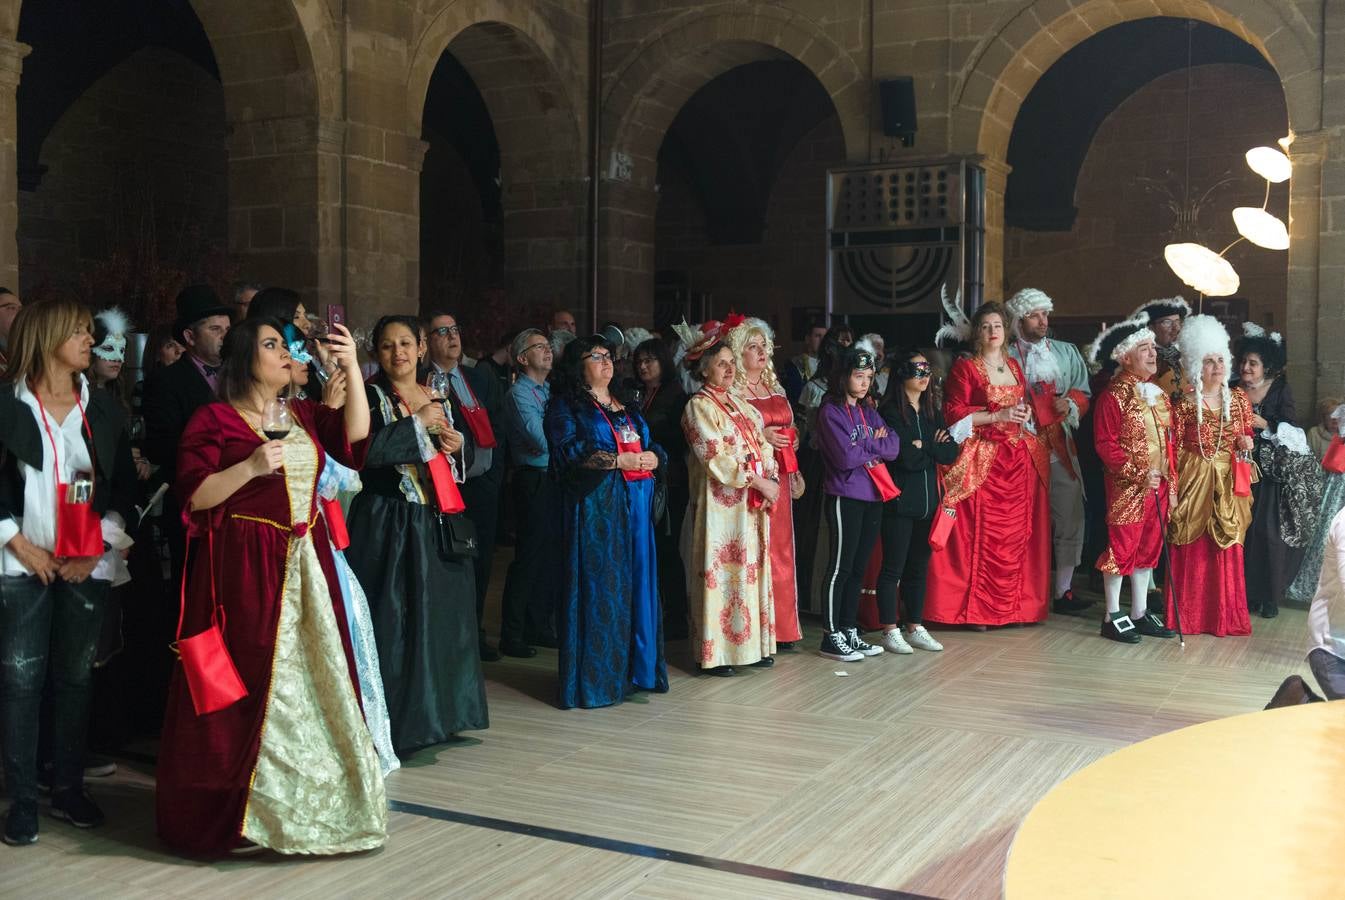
<point>960,430</point>
<point>602,459</point>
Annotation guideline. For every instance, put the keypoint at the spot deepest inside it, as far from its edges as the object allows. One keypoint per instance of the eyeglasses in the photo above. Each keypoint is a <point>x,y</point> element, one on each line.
<point>446,330</point>
<point>599,358</point>
<point>542,346</point>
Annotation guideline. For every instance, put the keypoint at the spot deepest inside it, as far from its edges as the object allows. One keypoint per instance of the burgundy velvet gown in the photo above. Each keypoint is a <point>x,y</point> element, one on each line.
<point>312,790</point>
<point>776,411</point>
<point>996,567</point>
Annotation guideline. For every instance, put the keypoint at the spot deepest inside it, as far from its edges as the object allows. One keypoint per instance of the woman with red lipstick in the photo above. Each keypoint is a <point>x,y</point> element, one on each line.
<point>290,766</point>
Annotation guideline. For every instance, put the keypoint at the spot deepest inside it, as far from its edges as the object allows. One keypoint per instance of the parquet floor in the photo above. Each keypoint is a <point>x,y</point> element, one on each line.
<point>907,774</point>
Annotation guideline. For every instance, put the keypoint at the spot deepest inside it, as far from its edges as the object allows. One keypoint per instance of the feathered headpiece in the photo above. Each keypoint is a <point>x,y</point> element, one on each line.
<point>1026,301</point>
<point>695,341</point>
<point>1270,347</point>
<point>1163,307</point>
<point>958,328</point>
<point>636,336</point>
<point>1204,336</point>
<point>1115,342</point>
<point>109,334</point>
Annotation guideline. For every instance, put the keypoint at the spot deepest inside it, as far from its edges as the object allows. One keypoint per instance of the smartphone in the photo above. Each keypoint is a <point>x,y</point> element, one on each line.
<point>336,314</point>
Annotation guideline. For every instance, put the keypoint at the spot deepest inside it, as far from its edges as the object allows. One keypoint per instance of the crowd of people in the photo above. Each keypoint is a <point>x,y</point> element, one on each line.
<point>310,521</point>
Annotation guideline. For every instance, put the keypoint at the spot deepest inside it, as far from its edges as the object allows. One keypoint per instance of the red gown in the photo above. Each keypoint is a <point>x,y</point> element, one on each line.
<point>775,410</point>
<point>996,567</point>
<point>208,765</point>
<point>1209,522</point>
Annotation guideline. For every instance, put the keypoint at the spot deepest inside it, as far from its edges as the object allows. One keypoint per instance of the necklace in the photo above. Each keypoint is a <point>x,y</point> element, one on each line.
<point>756,389</point>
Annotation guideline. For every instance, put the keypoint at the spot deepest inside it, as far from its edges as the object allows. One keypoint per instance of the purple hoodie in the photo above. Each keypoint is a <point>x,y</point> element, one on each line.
<point>847,445</point>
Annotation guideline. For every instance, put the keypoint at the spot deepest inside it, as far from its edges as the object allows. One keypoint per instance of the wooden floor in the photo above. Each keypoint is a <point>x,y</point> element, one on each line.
<point>906,774</point>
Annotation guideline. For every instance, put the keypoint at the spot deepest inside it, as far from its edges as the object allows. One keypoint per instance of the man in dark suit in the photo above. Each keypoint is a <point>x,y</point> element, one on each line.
<point>477,408</point>
<point>173,394</point>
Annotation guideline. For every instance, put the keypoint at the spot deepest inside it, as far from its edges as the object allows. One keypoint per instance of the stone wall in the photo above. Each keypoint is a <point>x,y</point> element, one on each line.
<point>1113,257</point>
<point>138,158</point>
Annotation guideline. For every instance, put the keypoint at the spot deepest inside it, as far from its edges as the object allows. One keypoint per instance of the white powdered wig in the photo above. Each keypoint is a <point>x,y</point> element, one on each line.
<point>1026,301</point>
<point>1121,338</point>
<point>1204,336</point>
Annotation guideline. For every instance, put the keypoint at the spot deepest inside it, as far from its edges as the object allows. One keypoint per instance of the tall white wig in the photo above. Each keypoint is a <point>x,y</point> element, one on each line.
<point>1204,336</point>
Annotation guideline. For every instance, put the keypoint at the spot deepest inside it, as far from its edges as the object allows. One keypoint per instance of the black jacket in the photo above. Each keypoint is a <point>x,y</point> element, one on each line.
<point>914,468</point>
<point>487,390</point>
<point>172,395</point>
<point>22,440</point>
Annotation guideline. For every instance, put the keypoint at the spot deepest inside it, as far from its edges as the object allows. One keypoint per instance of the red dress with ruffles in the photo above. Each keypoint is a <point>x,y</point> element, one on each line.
<point>996,567</point>
<point>775,411</point>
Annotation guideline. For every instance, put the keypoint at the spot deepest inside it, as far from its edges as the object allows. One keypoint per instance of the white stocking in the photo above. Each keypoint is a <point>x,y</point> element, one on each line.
<point>1111,589</point>
<point>1064,580</point>
<point>1139,592</point>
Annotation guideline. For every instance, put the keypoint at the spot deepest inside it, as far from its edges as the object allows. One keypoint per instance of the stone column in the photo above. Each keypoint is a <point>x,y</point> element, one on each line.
<point>382,230</point>
<point>1309,329</point>
<point>11,68</point>
<point>996,184</point>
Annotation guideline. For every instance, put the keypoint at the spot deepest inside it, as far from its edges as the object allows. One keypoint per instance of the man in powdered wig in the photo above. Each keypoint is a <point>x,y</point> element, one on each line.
<point>1057,381</point>
<point>1133,436</point>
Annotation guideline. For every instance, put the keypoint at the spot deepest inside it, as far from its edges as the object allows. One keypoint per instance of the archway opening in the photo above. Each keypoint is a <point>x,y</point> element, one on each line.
<point>741,197</point>
<point>1121,148</point>
<point>121,154</point>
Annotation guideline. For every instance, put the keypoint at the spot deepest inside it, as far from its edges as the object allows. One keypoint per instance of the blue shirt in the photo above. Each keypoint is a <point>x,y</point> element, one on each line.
<point>524,410</point>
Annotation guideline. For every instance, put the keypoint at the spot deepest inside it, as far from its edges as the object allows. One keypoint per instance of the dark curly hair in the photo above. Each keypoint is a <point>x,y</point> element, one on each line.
<point>569,376</point>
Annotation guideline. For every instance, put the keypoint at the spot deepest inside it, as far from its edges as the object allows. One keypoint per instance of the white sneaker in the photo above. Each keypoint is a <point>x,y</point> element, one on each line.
<point>923,639</point>
<point>893,642</point>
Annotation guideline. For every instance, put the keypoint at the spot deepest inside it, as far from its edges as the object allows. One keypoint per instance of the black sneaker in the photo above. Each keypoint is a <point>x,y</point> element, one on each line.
<point>1069,605</point>
<point>77,808</point>
<point>1150,625</point>
<point>1118,627</point>
<point>836,646</point>
<point>21,823</point>
<point>860,645</point>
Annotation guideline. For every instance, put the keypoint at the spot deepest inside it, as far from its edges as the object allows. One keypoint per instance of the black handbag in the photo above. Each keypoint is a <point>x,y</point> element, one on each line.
<point>659,506</point>
<point>457,537</point>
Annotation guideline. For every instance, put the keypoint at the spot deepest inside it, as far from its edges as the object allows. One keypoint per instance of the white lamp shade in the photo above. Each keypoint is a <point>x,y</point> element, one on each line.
<point>1261,228</point>
<point>1203,269</point>
<point>1270,164</point>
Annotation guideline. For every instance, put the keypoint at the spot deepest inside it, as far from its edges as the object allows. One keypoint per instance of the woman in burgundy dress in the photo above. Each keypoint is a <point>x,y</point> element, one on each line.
<point>753,346</point>
<point>291,766</point>
<point>995,568</point>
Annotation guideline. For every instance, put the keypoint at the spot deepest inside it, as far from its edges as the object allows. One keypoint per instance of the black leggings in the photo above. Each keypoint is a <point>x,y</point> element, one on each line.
<point>854,526</point>
<point>905,562</point>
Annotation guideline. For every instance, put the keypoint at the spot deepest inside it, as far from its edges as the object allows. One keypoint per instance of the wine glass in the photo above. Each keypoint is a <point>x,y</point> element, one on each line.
<point>137,429</point>
<point>276,421</point>
<point>438,386</point>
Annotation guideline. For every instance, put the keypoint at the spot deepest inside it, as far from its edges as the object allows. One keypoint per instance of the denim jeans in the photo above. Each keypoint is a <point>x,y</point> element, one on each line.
<point>46,627</point>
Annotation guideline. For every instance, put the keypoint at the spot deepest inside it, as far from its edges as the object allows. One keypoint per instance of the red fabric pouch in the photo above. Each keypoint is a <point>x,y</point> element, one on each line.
<point>789,460</point>
<point>1334,460</point>
<point>212,678</point>
<point>446,494</point>
<point>478,423</point>
<point>1042,397</point>
<point>882,480</point>
<point>1242,476</point>
<point>336,522</point>
<point>78,529</point>
<point>944,520</point>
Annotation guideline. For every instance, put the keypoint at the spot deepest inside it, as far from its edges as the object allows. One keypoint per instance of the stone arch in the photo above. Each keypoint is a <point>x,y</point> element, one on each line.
<point>650,86</point>
<point>1007,63</point>
<point>523,72</point>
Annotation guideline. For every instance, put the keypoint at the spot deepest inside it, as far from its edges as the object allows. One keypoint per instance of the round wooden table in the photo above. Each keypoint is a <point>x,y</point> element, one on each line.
<point>1248,806</point>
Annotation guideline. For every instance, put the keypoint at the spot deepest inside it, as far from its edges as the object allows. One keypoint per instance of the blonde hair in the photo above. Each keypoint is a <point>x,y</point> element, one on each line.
<point>38,331</point>
<point>737,342</point>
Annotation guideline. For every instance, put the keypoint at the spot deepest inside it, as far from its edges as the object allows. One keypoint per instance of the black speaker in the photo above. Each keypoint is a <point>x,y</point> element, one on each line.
<point>898,100</point>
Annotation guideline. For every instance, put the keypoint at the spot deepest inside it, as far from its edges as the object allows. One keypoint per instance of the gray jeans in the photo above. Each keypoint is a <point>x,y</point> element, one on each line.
<point>1330,672</point>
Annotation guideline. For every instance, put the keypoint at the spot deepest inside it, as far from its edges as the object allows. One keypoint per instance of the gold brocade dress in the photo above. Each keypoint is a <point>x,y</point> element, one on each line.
<point>1209,522</point>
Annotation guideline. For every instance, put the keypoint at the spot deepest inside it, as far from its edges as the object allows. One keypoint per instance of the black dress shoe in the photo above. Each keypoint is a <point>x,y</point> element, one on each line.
<point>1069,605</point>
<point>1269,610</point>
<point>785,646</point>
<point>548,641</point>
<point>720,671</point>
<point>764,663</point>
<point>1118,627</point>
<point>518,650</point>
<point>489,653</point>
<point>1150,625</point>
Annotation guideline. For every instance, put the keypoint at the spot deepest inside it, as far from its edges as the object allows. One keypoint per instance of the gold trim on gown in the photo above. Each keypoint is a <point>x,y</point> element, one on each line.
<point>317,786</point>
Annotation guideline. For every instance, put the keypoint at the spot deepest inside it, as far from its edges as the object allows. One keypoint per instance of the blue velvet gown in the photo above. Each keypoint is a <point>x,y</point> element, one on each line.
<point>611,632</point>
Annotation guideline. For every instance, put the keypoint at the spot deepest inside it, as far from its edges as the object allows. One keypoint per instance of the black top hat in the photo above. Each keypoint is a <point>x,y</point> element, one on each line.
<point>194,303</point>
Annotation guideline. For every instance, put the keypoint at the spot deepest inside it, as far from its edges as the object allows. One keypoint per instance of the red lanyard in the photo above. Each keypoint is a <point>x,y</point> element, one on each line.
<point>649,401</point>
<point>470,393</point>
<point>538,397</point>
<point>616,437</point>
<point>863,421</point>
<point>737,419</point>
<point>55,457</point>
